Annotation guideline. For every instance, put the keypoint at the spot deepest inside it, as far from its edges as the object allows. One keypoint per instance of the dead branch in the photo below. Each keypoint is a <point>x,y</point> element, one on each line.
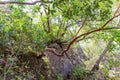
<point>23,3</point>
<point>96,66</point>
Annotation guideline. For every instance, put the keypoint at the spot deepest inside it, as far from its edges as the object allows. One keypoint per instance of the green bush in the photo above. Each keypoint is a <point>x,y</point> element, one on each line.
<point>78,72</point>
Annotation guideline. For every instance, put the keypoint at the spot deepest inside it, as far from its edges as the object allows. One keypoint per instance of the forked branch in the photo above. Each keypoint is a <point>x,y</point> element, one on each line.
<point>82,35</point>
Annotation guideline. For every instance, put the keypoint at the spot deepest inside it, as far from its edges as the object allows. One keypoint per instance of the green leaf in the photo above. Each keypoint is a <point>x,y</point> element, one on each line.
<point>24,28</point>
<point>6,29</point>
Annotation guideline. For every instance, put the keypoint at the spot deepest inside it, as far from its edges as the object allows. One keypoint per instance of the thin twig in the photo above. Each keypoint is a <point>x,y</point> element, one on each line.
<point>80,27</point>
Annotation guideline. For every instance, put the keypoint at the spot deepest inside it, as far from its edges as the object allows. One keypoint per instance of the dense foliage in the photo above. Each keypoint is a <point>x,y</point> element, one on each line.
<point>26,30</point>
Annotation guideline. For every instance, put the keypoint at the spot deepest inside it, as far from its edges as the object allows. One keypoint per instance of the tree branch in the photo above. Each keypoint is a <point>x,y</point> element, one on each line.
<point>23,3</point>
<point>69,45</point>
<point>48,19</point>
<point>96,66</point>
<point>109,20</point>
<point>80,27</point>
<point>82,35</point>
<point>116,11</point>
